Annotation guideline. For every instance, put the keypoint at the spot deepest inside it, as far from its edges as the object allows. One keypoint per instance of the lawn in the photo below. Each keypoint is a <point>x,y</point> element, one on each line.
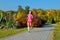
<point>11,31</point>
<point>57,32</point>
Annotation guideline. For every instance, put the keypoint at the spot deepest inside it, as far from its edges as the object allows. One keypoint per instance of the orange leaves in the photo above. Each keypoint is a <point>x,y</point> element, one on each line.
<point>17,16</point>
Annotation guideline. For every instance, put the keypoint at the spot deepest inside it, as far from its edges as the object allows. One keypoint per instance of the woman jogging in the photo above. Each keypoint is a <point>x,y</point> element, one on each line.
<point>29,21</point>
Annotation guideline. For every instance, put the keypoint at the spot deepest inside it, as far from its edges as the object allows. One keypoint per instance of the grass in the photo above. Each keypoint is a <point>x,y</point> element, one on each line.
<point>11,31</point>
<point>57,32</point>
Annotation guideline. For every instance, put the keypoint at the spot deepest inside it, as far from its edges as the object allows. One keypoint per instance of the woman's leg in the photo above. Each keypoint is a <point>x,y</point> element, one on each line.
<point>31,24</point>
<point>28,27</point>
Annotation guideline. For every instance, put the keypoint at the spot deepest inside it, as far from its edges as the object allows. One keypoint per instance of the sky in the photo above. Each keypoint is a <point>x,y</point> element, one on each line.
<point>43,4</point>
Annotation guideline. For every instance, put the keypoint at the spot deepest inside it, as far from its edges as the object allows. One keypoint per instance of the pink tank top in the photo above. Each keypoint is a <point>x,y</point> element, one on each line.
<point>30,17</point>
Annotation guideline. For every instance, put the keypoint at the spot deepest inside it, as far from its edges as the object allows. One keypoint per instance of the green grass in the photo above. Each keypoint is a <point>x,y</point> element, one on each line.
<point>57,33</point>
<point>11,31</point>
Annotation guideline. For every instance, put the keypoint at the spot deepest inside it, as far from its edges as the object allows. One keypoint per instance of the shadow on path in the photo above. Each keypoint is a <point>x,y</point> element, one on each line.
<point>48,25</point>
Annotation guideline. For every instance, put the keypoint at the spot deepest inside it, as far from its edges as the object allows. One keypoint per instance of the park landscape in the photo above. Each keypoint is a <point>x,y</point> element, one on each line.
<point>14,22</point>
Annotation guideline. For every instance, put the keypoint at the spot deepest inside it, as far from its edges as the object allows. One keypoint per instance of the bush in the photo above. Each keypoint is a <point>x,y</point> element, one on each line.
<point>37,21</point>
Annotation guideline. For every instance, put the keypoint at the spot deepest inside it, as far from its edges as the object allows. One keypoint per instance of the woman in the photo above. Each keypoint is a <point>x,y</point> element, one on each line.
<point>29,21</point>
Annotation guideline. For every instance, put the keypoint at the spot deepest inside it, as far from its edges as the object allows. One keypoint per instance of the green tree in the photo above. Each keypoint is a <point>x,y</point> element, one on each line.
<point>20,9</point>
<point>58,16</point>
<point>9,18</point>
<point>27,9</point>
<point>1,15</point>
<point>51,15</point>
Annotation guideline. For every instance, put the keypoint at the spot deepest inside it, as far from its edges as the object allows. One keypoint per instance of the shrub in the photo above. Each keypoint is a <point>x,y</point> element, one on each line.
<point>37,21</point>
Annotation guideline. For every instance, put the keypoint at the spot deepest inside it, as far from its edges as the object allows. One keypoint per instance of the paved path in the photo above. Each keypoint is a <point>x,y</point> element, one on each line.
<point>44,33</point>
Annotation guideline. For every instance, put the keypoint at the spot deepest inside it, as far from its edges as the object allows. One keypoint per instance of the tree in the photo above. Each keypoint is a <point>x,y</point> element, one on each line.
<point>34,11</point>
<point>1,16</point>
<point>9,18</point>
<point>51,15</point>
<point>27,9</point>
<point>41,13</point>
<point>20,9</point>
<point>58,15</point>
<point>19,12</point>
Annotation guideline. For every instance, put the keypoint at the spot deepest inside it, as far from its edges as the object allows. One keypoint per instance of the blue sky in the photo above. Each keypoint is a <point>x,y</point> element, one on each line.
<point>44,4</point>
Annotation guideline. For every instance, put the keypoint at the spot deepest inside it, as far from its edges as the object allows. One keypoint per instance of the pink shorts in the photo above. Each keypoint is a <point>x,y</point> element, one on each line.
<point>29,22</point>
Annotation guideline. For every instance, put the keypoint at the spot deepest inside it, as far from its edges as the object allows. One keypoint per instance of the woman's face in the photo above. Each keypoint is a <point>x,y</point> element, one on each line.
<point>30,12</point>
